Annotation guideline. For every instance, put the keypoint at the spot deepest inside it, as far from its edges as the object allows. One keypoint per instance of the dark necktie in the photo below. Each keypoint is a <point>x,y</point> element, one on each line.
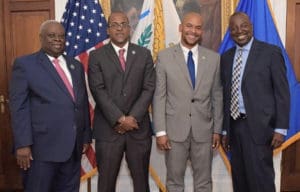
<point>63,77</point>
<point>121,58</point>
<point>235,83</point>
<point>191,67</point>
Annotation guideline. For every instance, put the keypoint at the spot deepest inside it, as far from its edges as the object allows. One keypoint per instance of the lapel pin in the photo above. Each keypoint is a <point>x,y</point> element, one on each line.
<point>72,66</point>
<point>203,57</point>
<point>133,52</point>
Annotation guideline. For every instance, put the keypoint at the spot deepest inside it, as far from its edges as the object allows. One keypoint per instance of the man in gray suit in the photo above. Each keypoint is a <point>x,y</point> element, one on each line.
<point>122,81</point>
<point>187,106</point>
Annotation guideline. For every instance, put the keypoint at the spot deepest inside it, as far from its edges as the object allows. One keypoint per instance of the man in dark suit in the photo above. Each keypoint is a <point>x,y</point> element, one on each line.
<point>121,79</point>
<point>256,106</point>
<point>50,115</point>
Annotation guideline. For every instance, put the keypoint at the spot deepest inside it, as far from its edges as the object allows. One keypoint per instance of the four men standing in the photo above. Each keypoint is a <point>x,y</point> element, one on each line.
<point>187,108</point>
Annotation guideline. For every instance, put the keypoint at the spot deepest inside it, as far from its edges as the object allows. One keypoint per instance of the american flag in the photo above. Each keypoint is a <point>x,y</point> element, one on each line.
<point>85,27</point>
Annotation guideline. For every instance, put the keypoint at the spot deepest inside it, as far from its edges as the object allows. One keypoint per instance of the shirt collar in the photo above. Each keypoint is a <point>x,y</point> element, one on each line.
<point>245,47</point>
<point>60,58</point>
<point>116,48</point>
<point>186,50</point>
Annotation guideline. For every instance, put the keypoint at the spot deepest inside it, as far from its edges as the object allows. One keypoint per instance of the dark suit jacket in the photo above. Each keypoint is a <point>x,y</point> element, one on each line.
<point>265,90</point>
<point>44,116</point>
<point>117,92</point>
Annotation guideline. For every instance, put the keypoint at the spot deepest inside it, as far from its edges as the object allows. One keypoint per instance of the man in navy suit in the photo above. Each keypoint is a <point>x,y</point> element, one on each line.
<point>50,115</point>
<point>256,106</point>
<point>122,79</point>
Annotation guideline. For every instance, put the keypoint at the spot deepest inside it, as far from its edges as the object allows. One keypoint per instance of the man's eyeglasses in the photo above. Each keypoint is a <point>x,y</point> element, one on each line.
<point>118,25</point>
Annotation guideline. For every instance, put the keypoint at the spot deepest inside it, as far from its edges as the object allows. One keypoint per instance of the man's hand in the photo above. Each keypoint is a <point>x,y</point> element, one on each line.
<point>225,143</point>
<point>163,143</point>
<point>277,140</point>
<point>216,141</point>
<point>126,123</point>
<point>120,129</point>
<point>24,157</point>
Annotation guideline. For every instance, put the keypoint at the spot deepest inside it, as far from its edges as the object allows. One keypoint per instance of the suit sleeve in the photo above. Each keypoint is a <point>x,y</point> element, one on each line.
<point>20,106</point>
<point>87,133</point>
<point>140,107</point>
<point>281,90</point>
<point>217,100</point>
<point>96,83</point>
<point>159,99</point>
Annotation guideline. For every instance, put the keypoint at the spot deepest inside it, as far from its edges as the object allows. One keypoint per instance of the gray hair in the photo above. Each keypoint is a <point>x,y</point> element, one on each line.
<point>47,22</point>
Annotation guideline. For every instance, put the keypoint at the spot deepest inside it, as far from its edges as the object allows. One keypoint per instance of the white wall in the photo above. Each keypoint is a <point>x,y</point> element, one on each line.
<point>59,8</point>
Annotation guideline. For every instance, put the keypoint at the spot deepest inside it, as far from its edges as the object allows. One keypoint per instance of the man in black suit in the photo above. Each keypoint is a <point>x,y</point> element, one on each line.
<point>122,81</point>
<point>256,106</point>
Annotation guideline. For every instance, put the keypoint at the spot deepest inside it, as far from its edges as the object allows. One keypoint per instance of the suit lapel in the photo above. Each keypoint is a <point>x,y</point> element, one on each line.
<point>72,68</point>
<point>130,60</point>
<point>202,65</point>
<point>50,69</point>
<point>111,53</point>
<point>254,51</point>
<point>231,60</point>
<point>180,60</point>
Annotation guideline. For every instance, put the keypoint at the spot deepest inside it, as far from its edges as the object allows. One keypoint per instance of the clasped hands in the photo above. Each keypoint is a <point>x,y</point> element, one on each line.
<point>125,124</point>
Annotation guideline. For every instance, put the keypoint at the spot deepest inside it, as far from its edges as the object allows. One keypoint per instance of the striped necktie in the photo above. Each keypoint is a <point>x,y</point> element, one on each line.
<point>235,83</point>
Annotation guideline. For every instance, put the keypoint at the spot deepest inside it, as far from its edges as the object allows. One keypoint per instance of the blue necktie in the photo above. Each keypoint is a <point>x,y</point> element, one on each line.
<point>191,67</point>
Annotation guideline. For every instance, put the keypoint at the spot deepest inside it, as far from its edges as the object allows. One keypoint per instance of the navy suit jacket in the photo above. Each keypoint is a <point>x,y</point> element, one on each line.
<point>44,115</point>
<point>265,90</point>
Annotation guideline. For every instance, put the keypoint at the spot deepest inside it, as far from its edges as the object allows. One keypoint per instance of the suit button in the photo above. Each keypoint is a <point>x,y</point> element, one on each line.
<point>190,115</point>
<point>74,127</point>
<point>192,100</point>
<point>124,94</point>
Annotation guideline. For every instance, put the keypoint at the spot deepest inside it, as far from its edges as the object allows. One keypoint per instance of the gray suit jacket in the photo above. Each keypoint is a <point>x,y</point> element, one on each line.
<point>117,92</point>
<point>177,107</point>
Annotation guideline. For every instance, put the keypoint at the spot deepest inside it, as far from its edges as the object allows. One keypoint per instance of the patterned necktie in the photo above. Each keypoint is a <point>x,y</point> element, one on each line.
<point>63,77</point>
<point>191,67</point>
<point>121,58</point>
<point>235,83</point>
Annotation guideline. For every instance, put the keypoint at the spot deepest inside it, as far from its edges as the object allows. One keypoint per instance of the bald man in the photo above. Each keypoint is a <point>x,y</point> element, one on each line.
<point>50,114</point>
<point>187,106</point>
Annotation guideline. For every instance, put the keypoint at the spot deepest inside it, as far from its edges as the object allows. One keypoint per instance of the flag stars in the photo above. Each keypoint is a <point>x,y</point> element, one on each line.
<point>94,11</point>
<point>87,40</point>
<point>70,33</point>
<point>96,2</point>
<point>102,15</point>
<point>78,37</point>
<point>77,4</point>
<point>98,34</point>
<point>72,24</point>
<point>100,24</point>
<point>89,30</point>
<point>82,17</point>
<point>74,14</point>
<point>67,43</point>
<point>91,20</point>
<point>80,27</point>
<point>85,7</point>
<point>75,46</point>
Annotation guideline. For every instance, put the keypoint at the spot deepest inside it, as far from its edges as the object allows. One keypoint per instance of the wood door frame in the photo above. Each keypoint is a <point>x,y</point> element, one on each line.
<point>290,166</point>
<point>10,179</point>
